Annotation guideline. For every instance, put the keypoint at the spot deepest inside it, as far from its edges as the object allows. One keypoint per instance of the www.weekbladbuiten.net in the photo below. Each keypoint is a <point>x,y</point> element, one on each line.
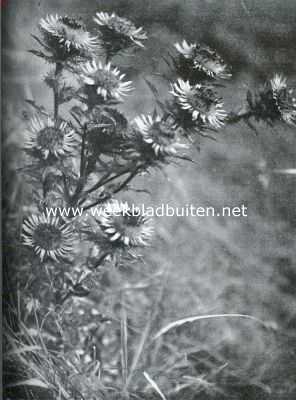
<point>162,210</point>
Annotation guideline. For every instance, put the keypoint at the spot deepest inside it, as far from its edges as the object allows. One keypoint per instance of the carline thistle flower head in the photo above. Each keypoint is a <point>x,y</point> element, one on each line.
<point>49,138</point>
<point>67,33</point>
<point>106,81</point>
<point>48,237</point>
<point>200,102</point>
<point>119,33</point>
<point>204,59</point>
<point>124,226</point>
<point>284,98</point>
<point>160,134</point>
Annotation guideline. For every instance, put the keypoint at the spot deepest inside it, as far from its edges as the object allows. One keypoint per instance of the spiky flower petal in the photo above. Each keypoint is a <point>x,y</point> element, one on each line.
<point>67,33</point>
<point>159,134</point>
<point>284,98</point>
<point>119,33</point>
<point>50,139</point>
<point>107,81</point>
<point>187,50</point>
<point>125,226</point>
<point>48,236</point>
<point>204,59</point>
<point>201,102</point>
<point>278,83</point>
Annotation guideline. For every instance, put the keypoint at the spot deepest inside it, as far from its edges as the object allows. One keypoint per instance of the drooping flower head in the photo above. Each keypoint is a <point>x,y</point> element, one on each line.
<point>48,237</point>
<point>203,59</point>
<point>67,36</point>
<point>284,98</point>
<point>118,33</point>
<point>104,82</point>
<point>200,102</point>
<point>159,134</point>
<point>124,226</point>
<point>48,138</point>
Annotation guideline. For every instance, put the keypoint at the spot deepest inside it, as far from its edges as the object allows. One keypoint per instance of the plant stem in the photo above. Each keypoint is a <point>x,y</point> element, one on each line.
<point>118,189</point>
<point>58,70</point>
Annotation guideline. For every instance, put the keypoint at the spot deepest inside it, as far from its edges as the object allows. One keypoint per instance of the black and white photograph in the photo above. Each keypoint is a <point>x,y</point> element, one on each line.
<point>148,199</point>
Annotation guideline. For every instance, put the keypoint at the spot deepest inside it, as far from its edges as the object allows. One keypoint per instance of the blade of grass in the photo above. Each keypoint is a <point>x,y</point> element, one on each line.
<point>124,352</point>
<point>139,351</point>
<point>154,385</point>
<point>30,382</point>
<point>183,321</point>
<point>25,349</point>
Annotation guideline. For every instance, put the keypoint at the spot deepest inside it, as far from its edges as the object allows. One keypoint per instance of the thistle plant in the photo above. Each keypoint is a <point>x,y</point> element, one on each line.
<point>85,152</point>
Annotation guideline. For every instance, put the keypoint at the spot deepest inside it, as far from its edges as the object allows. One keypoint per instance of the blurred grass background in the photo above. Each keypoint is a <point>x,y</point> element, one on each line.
<point>210,265</point>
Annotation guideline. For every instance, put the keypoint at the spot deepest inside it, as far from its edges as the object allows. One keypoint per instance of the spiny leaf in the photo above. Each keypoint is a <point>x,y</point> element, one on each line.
<point>39,109</point>
<point>40,54</point>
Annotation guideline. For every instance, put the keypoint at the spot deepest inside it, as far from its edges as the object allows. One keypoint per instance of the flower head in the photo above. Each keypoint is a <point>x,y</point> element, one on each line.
<point>50,139</point>
<point>118,33</point>
<point>200,102</point>
<point>47,236</point>
<point>284,98</point>
<point>204,59</point>
<point>125,226</point>
<point>105,81</point>
<point>67,35</point>
<point>159,134</point>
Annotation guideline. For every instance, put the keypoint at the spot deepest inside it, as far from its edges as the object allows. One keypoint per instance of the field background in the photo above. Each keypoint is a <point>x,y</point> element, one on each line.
<point>207,265</point>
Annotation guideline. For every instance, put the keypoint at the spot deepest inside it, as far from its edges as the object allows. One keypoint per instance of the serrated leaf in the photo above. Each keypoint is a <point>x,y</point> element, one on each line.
<point>39,109</point>
<point>38,53</point>
<point>38,40</point>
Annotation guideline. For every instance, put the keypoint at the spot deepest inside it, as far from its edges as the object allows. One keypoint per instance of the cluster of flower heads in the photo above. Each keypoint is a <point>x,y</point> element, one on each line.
<point>197,107</point>
<point>150,139</point>
<point>48,236</point>
<point>67,38</point>
<point>50,138</point>
<point>104,81</point>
